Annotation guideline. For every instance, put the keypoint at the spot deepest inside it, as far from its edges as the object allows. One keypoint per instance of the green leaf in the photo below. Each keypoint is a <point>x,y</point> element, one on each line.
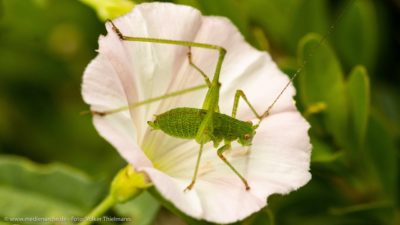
<point>357,35</point>
<point>143,209</point>
<point>263,217</point>
<point>286,21</point>
<point>322,152</point>
<point>28,190</point>
<point>384,156</point>
<point>359,98</point>
<point>322,81</point>
<point>327,200</point>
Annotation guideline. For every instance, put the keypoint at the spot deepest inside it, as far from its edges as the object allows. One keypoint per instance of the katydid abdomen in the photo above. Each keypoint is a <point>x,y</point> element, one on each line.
<point>185,123</point>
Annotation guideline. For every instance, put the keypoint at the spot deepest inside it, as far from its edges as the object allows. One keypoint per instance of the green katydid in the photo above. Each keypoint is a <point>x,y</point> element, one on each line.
<point>203,124</point>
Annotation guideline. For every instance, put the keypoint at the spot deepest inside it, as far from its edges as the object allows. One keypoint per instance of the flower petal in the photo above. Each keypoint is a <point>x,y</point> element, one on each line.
<point>280,154</point>
<point>126,72</point>
<point>104,93</point>
<point>172,190</point>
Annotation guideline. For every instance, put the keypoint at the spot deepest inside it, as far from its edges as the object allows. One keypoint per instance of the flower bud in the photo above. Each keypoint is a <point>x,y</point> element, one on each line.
<point>128,183</point>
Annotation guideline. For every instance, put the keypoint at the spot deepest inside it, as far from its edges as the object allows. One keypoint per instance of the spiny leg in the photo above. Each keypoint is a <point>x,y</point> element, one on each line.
<point>211,99</point>
<point>148,101</point>
<point>220,152</point>
<point>240,93</point>
<point>196,170</point>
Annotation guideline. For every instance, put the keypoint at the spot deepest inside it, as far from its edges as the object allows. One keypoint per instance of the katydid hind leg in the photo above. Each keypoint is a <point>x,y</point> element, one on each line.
<point>211,99</point>
<point>189,54</point>
<point>220,152</point>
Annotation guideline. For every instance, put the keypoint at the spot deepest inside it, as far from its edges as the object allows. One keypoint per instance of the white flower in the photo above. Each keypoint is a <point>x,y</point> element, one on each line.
<point>127,72</point>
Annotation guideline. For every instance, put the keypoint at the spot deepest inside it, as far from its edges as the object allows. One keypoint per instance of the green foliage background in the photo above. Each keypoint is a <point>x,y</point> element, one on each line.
<point>53,163</point>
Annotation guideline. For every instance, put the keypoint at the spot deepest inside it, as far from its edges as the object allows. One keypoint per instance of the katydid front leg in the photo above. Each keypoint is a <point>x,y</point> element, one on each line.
<point>191,63</point>
<point>196,170</point>
<point>206,128</point>
<point>211,105</point>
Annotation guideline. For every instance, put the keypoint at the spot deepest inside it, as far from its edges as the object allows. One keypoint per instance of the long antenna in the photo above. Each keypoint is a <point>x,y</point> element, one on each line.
<point>298,71</point>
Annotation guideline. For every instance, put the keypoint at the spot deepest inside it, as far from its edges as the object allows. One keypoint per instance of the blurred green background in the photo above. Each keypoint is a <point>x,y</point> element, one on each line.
<point>53,163</point>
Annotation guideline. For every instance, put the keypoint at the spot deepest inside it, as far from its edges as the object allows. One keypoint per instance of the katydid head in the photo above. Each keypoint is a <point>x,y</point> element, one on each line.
<point>247,138</point>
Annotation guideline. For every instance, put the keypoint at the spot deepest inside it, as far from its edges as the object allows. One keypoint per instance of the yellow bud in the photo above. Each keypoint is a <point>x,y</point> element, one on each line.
<point>128,183</point>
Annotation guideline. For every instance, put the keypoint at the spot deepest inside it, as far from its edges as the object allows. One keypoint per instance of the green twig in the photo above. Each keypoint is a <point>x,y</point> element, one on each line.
<point>100,209</point>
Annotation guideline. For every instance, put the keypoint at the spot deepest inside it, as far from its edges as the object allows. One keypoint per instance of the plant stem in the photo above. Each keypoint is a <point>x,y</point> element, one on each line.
<point>100,209</point>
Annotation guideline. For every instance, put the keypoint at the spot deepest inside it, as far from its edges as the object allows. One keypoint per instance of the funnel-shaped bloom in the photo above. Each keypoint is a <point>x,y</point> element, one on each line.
<point>127,72</point>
